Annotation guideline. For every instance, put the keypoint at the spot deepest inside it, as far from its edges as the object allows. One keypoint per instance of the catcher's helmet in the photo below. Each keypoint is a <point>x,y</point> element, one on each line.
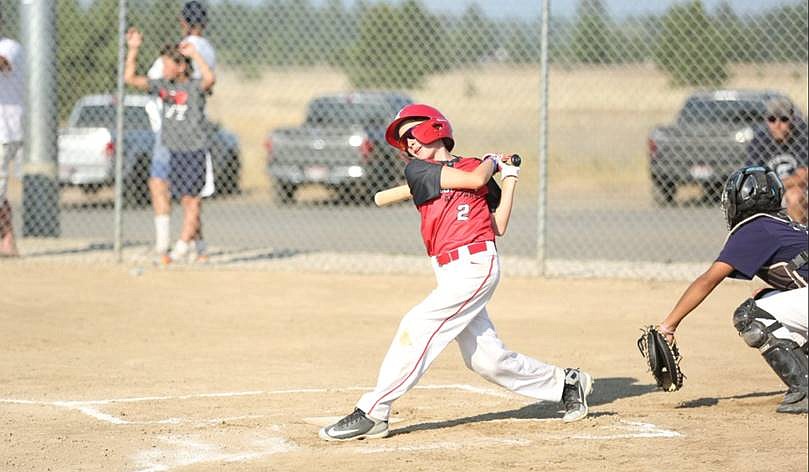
<point>435,126</point>
<point>751,190</point>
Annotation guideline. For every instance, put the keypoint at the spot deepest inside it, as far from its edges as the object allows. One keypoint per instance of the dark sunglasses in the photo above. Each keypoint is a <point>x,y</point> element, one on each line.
<point>408,135</point>
<point>783,119</point>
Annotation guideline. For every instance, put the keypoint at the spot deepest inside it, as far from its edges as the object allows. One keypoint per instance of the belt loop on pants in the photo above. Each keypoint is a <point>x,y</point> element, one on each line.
<point>464,251</point>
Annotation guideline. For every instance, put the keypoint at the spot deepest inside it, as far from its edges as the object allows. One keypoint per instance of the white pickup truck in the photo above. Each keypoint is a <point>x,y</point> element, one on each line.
<point>87,147</point>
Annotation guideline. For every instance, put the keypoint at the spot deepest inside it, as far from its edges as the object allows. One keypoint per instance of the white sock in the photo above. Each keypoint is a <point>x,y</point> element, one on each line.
<point>180,250</point>
<point>162,226</point>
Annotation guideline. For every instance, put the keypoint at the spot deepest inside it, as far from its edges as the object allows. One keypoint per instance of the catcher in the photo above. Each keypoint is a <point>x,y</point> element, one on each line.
<point>762,241</point>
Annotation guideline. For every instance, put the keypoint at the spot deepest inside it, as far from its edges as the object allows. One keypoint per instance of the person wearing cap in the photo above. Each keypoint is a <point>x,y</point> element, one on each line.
<point>12,92</point>
<point>781,144</point>
<point>193,20</point>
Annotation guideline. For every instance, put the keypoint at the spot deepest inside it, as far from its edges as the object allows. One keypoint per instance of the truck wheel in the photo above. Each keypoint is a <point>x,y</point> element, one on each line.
<point>663,192</point>
<point>355,193</point>
<point>712,192</point>
<point>136,185</point>
<point>284,192</point>
<point>230,176</point>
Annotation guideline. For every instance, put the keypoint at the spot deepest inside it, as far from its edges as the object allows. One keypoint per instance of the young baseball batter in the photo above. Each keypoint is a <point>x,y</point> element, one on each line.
<point>462,211</point>
<point>763,242</point>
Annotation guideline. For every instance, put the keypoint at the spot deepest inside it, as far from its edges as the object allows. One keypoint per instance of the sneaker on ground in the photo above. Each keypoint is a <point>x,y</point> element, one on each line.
<point>355,426</point>
<point>793,395</point>
<point>795,406</point>
<point>578,385</point>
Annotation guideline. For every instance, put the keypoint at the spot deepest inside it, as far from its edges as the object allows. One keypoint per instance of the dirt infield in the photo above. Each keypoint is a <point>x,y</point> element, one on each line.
<point>111,369</point>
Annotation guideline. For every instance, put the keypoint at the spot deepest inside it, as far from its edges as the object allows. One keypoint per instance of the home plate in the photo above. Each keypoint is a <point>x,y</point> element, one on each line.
<point>330,420</point>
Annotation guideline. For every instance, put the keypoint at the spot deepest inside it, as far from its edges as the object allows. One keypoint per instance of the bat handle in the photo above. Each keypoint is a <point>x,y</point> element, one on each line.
<point>515,160</point>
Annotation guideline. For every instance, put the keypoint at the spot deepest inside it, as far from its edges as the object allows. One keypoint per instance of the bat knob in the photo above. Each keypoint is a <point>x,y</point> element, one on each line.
<point>516,160</point>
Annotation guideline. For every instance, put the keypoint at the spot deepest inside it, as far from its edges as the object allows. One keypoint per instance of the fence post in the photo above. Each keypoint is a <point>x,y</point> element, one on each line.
<point>119,133</point>
<point>40,196</point>
<point>542,165</point>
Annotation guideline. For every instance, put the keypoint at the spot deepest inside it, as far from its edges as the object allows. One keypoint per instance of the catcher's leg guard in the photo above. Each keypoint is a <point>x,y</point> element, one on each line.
<point>784,356</point>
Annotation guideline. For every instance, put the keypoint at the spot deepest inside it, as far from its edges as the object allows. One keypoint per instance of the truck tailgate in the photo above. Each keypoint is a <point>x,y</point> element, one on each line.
<point>84,155</point>
<point>306,145</point>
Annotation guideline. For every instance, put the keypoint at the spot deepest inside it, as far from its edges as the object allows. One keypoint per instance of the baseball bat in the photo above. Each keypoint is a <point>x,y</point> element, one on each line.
<point>402,192</point>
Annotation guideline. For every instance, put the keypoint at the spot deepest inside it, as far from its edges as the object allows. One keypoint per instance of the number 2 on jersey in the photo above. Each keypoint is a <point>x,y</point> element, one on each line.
<point>463,212</point>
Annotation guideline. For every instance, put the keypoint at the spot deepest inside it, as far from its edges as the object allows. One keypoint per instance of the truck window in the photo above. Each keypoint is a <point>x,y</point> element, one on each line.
<point>336,113</point>
<point>722,112</point>
<point>103,116</point>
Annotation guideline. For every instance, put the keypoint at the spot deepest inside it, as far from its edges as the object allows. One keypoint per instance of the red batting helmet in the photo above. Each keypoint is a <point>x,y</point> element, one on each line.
<point>435,126</point>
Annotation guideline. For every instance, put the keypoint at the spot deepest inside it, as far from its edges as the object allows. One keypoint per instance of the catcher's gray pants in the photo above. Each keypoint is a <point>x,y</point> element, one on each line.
<point>791,309</point>
<point>456,309</point>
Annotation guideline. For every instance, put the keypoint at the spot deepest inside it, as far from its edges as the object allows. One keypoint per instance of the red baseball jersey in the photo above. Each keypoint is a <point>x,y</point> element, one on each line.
<point>450,218</point>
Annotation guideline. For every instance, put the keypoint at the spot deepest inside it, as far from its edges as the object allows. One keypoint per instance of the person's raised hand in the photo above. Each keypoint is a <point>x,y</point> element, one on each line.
<point>133,38</point>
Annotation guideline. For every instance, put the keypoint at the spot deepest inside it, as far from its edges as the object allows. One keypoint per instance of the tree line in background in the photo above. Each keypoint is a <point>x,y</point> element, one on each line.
<point>398,46</point>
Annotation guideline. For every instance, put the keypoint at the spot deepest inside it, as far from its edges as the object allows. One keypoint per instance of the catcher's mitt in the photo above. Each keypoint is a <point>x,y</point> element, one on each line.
<point>662,357</point>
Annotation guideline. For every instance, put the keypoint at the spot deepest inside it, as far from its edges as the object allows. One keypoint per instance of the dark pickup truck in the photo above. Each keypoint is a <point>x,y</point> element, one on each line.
<point>706,143</point>
<point>341,145</point>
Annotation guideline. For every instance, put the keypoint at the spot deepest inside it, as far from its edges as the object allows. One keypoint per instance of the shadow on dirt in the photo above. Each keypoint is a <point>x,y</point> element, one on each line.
<point>712,401</point>
<point>606,390</point>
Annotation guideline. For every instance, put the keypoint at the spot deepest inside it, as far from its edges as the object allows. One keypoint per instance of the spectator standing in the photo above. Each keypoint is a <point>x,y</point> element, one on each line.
<point>12,102</point>
<point>183,127</point>
<point>781,145</point>
<point>193,20</point>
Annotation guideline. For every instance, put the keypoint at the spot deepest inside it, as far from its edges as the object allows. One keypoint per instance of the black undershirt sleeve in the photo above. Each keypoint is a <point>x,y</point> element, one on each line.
<point>493,197</point>
<point>424,180</point>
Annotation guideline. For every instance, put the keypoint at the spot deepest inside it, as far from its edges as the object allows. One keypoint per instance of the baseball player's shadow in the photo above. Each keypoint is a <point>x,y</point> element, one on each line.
<point>605,391</point>
<point>712,401</point>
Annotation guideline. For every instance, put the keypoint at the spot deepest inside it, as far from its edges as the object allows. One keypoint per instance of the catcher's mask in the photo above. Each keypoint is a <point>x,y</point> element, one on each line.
<point>751,190</point>
<point>434,126</point>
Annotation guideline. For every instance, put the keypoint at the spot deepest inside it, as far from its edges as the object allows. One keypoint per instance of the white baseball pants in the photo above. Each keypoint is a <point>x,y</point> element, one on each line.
<point>456,309</point>
<point>791,309</point>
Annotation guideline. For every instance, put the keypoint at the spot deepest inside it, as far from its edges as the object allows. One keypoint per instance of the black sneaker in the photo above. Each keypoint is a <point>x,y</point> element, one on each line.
<point>578,385</point>
<point>793,395</point>
<point>795,402</point>
<point>355,426</point>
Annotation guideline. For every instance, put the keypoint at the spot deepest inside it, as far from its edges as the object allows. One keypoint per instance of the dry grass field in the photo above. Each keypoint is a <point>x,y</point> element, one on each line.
<point>105,369</point>
<point>599,117</point>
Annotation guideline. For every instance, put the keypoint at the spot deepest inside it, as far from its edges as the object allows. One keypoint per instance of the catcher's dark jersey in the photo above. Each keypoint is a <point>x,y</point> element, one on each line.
<point>450,218</point>
<point>763,245</point>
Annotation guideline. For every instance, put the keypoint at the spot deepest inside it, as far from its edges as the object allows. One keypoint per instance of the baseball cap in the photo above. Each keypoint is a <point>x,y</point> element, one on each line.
<point>194,13</point>
<point>780,106</point>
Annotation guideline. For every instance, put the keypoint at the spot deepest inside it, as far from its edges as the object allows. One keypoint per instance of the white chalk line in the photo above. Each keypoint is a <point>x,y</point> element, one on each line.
<point>183,450</point>
<point>86,406</point>
<point>188,449</point>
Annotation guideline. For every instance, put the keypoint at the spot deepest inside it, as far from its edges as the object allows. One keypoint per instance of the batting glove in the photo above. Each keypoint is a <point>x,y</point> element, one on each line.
<point>507,170</point>
<point>497,160</point>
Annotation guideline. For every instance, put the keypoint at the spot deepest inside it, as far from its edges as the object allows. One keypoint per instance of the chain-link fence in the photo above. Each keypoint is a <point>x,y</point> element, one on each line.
<point>649,109</point>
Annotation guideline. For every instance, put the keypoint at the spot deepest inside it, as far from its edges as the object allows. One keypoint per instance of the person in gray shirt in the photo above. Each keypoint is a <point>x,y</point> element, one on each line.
<point>183,126</point>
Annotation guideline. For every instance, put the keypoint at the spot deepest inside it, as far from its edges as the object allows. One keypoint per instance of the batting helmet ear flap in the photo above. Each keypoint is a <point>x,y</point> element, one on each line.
<point>432,130</point>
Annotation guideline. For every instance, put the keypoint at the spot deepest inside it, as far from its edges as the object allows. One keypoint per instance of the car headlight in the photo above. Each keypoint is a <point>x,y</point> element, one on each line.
<point>355,171</point>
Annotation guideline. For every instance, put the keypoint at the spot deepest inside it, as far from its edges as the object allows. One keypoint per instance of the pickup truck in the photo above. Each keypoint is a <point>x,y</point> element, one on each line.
<point>340,145</point>
<point>706,143</point>
<point>87,144</point>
